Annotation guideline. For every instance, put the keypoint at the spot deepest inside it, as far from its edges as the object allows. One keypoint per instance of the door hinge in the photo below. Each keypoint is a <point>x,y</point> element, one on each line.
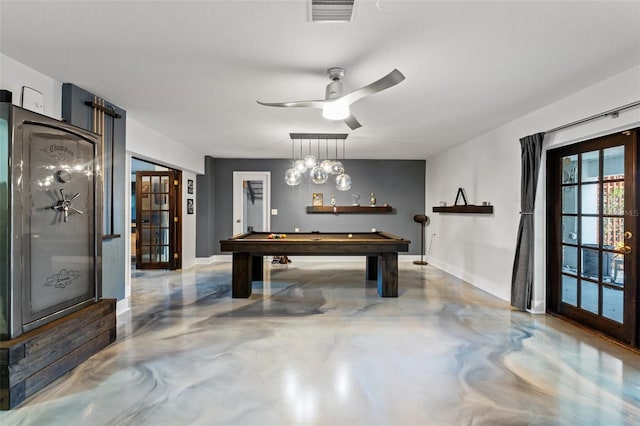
<point>175,219</point>
<point>176,256</point>
<point>175,182</point>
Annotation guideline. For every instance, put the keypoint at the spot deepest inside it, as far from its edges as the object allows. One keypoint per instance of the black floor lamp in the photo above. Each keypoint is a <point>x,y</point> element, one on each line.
<point>422,220</point>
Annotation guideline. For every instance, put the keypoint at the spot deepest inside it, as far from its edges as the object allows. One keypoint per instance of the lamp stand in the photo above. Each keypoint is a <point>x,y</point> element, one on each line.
<point>421,261</point>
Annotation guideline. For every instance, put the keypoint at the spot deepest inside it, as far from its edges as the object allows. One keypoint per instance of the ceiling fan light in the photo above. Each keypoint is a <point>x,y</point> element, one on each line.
<point>335,110</point>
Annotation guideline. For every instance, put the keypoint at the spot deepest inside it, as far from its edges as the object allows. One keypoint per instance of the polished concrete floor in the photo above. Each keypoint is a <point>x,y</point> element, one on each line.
<point>315,345</point>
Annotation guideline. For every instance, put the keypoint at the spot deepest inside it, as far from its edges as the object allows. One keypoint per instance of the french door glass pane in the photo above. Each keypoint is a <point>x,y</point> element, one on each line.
<point>612,303</point>
<point>590,263</point>
<point>590,198</point>
<point>589,296</point>
<point>569,259</point>
<point>590,166</point>
<point>613,163</point>
<point>613,232</point>
<point>613,198</point>
<point>569,229</point>
<point>590,230</point>
<point>570,199</point>
<point>570,169</point>
<point>569,290</point>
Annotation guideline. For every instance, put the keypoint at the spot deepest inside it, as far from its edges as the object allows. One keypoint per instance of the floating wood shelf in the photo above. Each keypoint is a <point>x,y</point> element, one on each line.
<point>469,208</point>
<point>349,209</point>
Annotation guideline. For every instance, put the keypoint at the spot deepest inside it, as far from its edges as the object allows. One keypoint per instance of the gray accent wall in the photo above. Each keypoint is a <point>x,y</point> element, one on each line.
<point>114,251</point>
<point>399,183</point>
<point>205,212</point>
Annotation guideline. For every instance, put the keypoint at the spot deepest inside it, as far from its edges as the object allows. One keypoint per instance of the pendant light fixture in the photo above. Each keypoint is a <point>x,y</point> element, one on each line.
<point>318,174</point>
<point>300,165</point>
<point>327,165</point>
<point>292,176</point>
<point>319,171</point>
<point>343,180</point>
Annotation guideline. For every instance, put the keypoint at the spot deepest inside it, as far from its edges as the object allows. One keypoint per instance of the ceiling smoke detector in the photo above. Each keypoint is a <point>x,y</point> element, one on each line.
<point>331,10</point>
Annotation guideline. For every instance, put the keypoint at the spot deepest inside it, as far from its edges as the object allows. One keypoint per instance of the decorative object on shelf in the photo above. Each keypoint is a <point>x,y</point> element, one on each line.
<point>350,209</point>
<point>189,205</point>
<point>422,220</point>
<point>317,199</point>
<point>464,209</point>
<point>333,199</point>
<point>356,199</point>
<point>319,170</point>
<point>373,199</point>
<point>464,198</point>
<point>485,208</point>
<point>189,186</point>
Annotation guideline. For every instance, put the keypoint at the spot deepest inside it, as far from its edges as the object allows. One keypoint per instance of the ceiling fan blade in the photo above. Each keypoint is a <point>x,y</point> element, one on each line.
<point>352,122</point>
<point>389,80</point>
<point>302,104</point>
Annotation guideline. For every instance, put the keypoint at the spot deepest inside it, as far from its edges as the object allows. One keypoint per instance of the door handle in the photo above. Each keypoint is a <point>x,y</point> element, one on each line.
<point>237,220</point>
<point>626,250</point>
<point>628,235</point>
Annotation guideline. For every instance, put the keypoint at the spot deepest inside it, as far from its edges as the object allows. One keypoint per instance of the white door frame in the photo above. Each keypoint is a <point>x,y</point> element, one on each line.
<point>238,213</point>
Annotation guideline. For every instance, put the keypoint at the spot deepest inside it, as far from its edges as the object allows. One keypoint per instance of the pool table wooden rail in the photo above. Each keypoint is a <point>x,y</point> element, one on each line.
<point>380,248</point>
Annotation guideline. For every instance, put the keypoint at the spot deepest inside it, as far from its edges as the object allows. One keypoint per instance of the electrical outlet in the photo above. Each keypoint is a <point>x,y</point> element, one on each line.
<point>274,212</point>
<point>296,230</point>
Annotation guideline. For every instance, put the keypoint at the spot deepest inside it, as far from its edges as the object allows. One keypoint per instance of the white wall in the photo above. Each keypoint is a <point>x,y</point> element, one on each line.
<point>142,142</point>
<point>14,75</point>
<point>147,144</point>
<point>480,248</point>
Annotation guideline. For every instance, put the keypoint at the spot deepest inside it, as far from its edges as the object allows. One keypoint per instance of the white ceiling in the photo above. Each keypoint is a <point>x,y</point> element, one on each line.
<point>194,70</point>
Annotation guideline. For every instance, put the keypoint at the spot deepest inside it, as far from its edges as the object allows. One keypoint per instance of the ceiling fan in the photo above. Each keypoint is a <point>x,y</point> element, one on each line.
<point>335,106</point>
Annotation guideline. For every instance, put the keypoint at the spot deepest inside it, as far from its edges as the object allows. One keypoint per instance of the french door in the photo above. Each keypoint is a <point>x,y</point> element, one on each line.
<point>592,219</point>
<point>158,220</point>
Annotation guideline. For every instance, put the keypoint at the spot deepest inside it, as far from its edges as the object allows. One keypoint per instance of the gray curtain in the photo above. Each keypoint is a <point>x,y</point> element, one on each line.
<point>522,277</point>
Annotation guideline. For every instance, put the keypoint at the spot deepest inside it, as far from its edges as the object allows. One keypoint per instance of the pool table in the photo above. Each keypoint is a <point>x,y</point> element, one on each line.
<point>380,248</point>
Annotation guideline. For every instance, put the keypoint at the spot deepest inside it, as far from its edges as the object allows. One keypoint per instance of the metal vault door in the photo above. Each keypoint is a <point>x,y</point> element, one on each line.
<point>58,220</point>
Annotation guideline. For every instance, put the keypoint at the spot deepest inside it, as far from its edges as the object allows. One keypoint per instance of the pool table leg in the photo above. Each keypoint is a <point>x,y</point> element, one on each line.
<point>257,268</point>
<point>241,275</point>
<point>372,267</point>
<point>388,275</point>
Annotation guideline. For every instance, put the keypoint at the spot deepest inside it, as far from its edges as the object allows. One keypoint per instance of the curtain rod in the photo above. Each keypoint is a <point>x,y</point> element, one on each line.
<point>612,112</point>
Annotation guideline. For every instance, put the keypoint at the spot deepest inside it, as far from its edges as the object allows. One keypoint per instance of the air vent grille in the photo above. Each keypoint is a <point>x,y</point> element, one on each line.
<point>331,10</point>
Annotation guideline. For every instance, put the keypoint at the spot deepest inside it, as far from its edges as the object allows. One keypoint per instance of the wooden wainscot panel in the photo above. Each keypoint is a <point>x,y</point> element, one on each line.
<point>30,362</point>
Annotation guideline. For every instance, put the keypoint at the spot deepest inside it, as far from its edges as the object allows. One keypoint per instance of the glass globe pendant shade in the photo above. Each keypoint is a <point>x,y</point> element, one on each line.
<point>310,161</point>
<point>327,166</point>
<point>343,182</point>
<point>318,175</point>
<point>292,177</point>
<point>300,166</point>
<point>337,168</point>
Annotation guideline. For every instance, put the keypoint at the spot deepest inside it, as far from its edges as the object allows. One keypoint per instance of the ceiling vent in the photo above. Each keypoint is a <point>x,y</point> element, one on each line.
<point>331,10</point>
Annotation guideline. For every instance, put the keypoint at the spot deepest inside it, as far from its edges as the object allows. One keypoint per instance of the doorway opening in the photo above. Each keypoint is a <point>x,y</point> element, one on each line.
<point>592,218</point>
<point>251,201</point>
<point>155,216</point>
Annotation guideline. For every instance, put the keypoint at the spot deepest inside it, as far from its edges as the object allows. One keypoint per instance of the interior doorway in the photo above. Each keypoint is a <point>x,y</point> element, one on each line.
<point>155,216</point>
<point>251,201</point>
<point>592,217</point>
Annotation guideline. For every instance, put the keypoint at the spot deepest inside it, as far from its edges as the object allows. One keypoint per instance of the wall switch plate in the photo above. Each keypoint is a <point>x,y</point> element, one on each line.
<point>274,212</point>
